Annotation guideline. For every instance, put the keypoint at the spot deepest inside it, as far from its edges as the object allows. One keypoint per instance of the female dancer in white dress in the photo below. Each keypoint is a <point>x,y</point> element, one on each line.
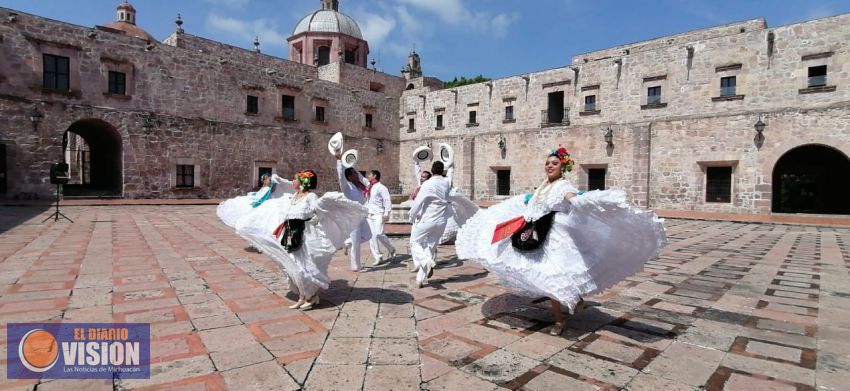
<point>590,243</point>
<point>301,232</point>
<point>231,210</point>
<point>240,210</point>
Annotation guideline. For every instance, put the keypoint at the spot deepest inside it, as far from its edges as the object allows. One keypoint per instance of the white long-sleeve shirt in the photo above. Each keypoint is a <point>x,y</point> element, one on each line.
<point>432,203</point>
<point>351,191</point>
<point>281,186</point>
<point>379,200</point>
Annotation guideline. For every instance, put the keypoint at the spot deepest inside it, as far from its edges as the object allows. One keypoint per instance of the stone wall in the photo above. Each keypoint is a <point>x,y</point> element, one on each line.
<point>185,103</point>
<point>660,151</point>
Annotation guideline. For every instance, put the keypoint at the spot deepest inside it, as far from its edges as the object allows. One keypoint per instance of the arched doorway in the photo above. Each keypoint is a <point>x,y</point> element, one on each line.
<point>812,179</point>
<point>92,148</point>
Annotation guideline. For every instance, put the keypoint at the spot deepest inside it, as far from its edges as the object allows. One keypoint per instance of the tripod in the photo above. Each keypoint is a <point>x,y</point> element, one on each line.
<point>57,214</point>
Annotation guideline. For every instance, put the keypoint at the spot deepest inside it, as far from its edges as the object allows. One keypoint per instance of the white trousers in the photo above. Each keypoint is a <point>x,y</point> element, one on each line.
<point>423,244</point>
<point>361,234</point>
<point>376,225</point>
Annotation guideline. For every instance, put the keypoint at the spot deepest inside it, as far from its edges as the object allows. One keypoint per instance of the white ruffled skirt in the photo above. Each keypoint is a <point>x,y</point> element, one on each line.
<point>462,210</point>
<point>231,210</point>
<point>307,268</point>
<point>598,243</point>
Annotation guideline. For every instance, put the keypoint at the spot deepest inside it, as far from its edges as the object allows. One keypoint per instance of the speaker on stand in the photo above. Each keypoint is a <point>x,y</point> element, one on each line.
<point>58,176</point>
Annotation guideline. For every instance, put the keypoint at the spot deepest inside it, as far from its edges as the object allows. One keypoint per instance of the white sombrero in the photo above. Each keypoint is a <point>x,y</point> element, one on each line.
<point>349,158</point>
<point>335,143</point>
<point>447,155</point>
<point>422,154</point>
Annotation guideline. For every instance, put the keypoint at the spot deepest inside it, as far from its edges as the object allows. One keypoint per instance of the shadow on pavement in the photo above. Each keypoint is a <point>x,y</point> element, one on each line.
<point>13,216</point>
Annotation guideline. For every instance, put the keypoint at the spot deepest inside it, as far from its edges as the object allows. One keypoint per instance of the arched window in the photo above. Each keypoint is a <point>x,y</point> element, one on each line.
<point>324,55</point>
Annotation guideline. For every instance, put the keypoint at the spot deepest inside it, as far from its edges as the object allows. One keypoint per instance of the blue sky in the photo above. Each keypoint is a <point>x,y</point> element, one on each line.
<point>496,38</point>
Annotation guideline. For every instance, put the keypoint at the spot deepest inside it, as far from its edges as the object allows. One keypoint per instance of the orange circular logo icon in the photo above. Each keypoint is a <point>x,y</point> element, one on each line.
<point>38,350</point>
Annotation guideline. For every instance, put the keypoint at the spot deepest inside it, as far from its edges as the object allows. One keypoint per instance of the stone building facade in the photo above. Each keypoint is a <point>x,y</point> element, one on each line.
<point>183,118</point>
<point>680,113</point>
<point>739,118</point>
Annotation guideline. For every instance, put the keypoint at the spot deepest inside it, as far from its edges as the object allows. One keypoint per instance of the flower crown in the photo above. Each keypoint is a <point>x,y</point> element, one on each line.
<point>564,156</point>
<point>303,178</point>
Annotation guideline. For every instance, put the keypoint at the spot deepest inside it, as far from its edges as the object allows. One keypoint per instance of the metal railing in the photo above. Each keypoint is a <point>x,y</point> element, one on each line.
<point>553,119</point>
<point>817,81</point>
<point>653,99</point>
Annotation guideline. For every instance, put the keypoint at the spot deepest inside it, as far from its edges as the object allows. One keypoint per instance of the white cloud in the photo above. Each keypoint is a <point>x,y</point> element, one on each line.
<point>451,11</point>
<point>265,29</point>
<point>454,13</point>
<point>376,28</point>
<point>236,4</point>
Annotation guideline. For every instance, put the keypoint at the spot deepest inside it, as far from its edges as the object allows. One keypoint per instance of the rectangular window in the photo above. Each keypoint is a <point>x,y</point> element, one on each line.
<point>368,121</point>
<point>350,57</point>
<point>653,95</point>
<point>596,179</point>
<point>253,104</point>
<point>727,86</point>
<point>509,113</point>
<point>56,73</point>
<point>262,171</point>
<point>817,76</point>
<point>718,184</point>
<point>503,182</point>
<point>288,111</point>
<point>320,114</point>
<point>473,117</point>
<point>411,125</point>
<point>439,121</point>
<point>590,103</point>
<point>185,175</point>
<point>117,83</point>
<point>555,107</point>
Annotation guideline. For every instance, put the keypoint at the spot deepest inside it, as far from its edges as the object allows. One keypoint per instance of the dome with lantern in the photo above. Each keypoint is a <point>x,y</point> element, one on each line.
<point>125,21</point>
<point>327,35</point>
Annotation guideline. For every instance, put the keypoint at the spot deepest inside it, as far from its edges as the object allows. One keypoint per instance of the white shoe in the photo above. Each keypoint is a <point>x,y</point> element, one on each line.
<point>392,253</point>
<point>314,301</point>
<point>298,304</point>
<point>378,261</point>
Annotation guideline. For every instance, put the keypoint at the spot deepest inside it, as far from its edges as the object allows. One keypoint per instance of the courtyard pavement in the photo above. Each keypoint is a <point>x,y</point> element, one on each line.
<point>726,306</point>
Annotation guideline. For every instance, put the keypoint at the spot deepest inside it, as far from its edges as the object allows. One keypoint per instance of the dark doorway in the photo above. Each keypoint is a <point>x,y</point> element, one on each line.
<point>503,182</point>
<point>324,55</point>
<point>555,114</point>
<point>2,169</point>
<point>94,153</point>
<point>812,179</point>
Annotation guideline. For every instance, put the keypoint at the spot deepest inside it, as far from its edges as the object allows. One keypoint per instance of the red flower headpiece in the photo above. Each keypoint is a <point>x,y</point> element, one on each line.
<point>562,154</point>
<point>306,179</point>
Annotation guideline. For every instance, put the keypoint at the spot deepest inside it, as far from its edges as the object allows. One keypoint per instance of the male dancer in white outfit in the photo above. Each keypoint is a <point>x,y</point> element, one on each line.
<point>430,213</point>
<point>353,185</point>
<point>380,206</point>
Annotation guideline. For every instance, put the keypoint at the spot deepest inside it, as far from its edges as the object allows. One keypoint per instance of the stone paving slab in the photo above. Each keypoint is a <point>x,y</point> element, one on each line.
<point>725,306</point>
